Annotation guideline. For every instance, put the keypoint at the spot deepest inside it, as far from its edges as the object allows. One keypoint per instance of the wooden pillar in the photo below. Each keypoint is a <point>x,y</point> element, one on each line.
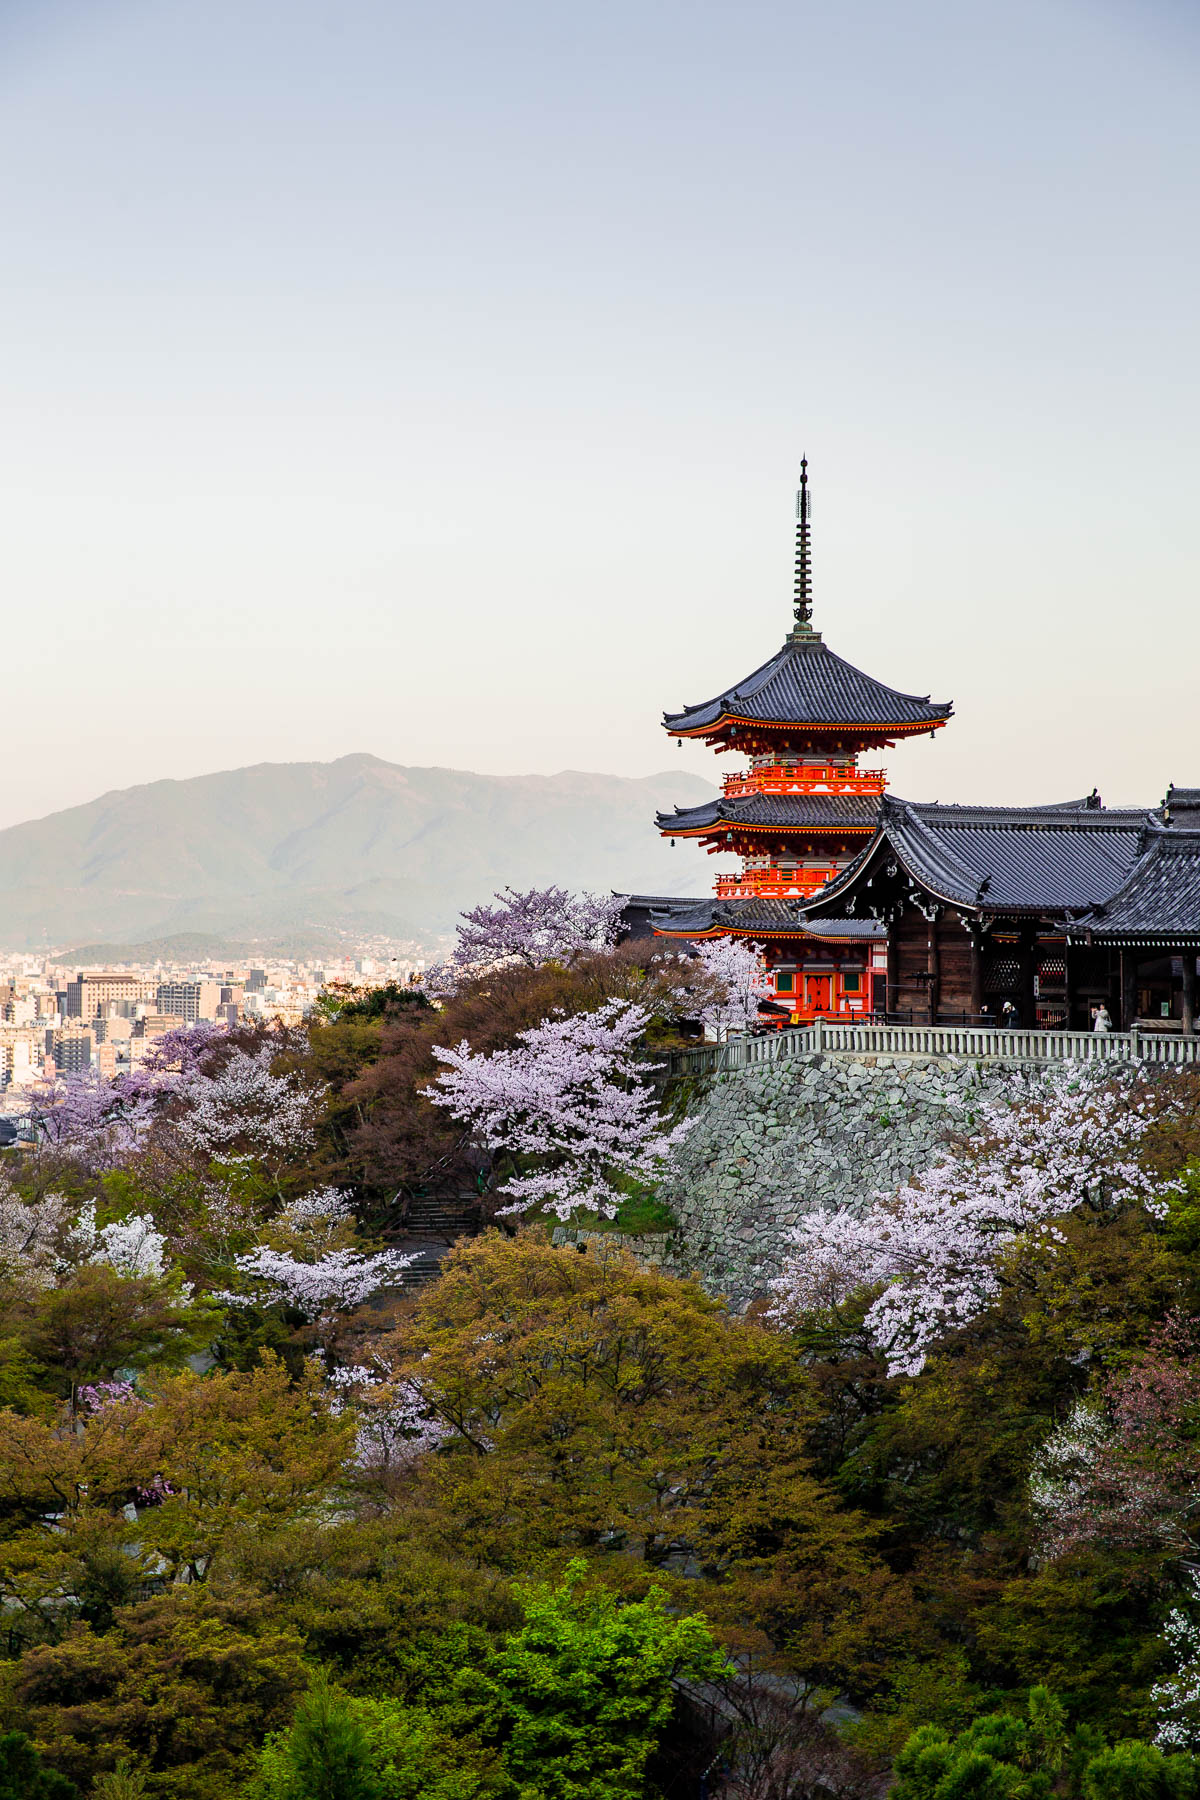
<point>891,997</point>
<point>1128,989</point>
<point>1028,949</point>
<point>1189,993</point>
<point>935,970</point>
<point>975,939</point>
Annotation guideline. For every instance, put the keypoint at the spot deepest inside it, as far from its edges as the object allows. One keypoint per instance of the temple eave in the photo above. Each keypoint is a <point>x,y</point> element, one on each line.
<point>701,833</point>
<point>875,731</point>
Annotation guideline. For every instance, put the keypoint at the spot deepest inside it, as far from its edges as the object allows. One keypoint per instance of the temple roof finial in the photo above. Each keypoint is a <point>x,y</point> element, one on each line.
<point>802,583</point>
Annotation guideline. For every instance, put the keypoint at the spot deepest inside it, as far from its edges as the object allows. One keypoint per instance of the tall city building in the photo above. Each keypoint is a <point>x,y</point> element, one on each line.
<point>72,1051</point>
<point>93,990</point>
<point>190,1000</point>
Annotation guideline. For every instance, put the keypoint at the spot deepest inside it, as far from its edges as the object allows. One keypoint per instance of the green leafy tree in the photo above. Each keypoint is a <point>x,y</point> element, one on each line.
<point>581,1693</point>
<point>345,1747</point>
<point>1005,1757</point>
<point>184,1684</point>
<point>98,1321</point>
<point>122,1783</point>
<point>589,1402</point>
<point>24,1776</point>
<point>1135,1771</point>
<point>326,1755</point>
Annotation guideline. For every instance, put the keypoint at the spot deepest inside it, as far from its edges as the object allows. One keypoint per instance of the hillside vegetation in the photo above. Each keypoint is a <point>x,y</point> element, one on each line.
<point>557,1526</point>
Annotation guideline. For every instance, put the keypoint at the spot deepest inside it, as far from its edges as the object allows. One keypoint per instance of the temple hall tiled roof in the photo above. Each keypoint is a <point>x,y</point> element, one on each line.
<point>1182,807</point>
<point>804,683</point>
<point>1159,902</point>
<point>786,812</point>
<point>1000,859</point>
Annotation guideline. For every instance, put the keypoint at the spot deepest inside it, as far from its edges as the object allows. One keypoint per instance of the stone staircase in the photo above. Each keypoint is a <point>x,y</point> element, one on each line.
<point>432,1223</point>
<point>445,1216</point>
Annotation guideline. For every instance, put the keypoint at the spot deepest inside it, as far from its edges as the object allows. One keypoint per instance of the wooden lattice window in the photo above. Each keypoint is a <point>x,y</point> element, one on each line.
<point>1004,974</point>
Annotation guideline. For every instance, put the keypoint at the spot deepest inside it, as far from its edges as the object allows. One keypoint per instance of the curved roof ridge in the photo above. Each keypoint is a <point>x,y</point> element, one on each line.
<point>776,812</point>
<point>807,683</point>
<point>941,859</point>
<point>1043,818</point>
<point>917,699</point>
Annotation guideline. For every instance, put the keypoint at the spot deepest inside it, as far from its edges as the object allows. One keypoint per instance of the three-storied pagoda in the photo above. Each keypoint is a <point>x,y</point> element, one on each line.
<point>801,809</point>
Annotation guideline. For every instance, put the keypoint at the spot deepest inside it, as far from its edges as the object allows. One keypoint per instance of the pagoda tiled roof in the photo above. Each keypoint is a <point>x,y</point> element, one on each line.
<point>785,812</point>
<point>1001,859</point>
<point>804,683</point>
<point>1160,900</point>
<point>757,918</point>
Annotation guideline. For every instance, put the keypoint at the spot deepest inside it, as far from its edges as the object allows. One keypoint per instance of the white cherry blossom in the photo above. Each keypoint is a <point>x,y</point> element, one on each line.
<point>938,1246</point>
<point>571,1097</point>
<point>338,1282</point>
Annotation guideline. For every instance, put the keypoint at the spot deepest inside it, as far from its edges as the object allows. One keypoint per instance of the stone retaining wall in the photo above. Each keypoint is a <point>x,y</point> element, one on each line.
<point>774,1142</point>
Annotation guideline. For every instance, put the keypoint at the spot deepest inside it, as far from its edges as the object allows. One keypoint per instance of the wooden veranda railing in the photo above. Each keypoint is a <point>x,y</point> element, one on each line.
<point>971,1042</point>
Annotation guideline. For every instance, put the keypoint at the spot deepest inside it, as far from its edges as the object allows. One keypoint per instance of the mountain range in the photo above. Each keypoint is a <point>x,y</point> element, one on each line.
<point>296,851</point>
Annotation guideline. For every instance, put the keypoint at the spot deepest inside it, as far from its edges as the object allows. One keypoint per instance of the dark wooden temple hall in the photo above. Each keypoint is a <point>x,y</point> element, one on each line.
<point>1054,910</point>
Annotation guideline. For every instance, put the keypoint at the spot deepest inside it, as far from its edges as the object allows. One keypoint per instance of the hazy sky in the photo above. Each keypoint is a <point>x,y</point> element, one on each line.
<point>432,380</point>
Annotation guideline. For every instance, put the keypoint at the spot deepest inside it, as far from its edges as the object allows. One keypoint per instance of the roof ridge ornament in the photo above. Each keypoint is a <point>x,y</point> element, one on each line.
<point>802,631</point>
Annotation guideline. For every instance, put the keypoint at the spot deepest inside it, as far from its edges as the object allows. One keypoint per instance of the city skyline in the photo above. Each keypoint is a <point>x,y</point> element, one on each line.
<point>435,385</point>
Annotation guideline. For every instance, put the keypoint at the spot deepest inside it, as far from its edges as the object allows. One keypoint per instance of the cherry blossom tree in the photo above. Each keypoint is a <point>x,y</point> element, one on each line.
<point>322,1212</point>
<point>571,1100</point>
<point>1123,1470</point>
<point>393,1422</point>
<point>1177,1696</point>
<point>97,1122</point>
<point>739,981</point>
<point>242,1108</point>
<point>185,1048</point>
<point>31,1236</point>
<point>338,1282</point>
<point>538,926</point>
<point>130,1246</point>
<point>942,1248</point>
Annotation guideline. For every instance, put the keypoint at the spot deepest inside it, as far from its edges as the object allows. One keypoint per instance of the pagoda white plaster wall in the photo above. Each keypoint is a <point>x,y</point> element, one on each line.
<point>772,1143</point>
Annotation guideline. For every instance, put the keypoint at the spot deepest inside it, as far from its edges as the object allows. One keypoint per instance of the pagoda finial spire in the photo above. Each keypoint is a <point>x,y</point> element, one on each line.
<point>802,583</point>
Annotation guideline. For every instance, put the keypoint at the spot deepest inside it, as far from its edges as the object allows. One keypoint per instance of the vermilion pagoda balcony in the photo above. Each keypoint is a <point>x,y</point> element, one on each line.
<point>775,884</point>
<point>784,778</point>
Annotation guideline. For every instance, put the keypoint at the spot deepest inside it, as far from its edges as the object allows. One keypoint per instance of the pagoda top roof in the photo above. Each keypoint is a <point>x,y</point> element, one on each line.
<point>804,683</point>
<point>775,812</point>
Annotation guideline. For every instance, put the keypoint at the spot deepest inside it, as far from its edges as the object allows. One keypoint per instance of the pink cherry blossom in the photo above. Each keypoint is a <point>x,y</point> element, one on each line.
<point>1123,1469</point>
<point>571,1097</point>
<point>1177,1696</point>
<point>739,973</point>
<point>938,1247</point>
<point>537,926</point>
<point>338,1282</point>
<point>243,1102</point>
<point>101,1396</point>
<point>130,1246</point>
<point>31,1235</point>
<point>185,1048</point>
<point>97,1122</point>
<point>394,1424</point>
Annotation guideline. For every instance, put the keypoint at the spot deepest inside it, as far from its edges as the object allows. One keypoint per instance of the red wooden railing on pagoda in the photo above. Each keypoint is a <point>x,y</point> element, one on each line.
<point>790,778</point>
<point>774,884</point>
